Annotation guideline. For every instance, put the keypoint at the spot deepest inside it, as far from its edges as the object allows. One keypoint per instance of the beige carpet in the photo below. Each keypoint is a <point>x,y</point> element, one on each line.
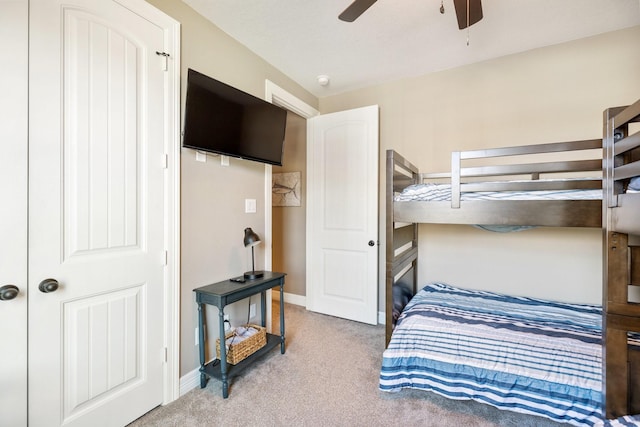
<point>327,377</point>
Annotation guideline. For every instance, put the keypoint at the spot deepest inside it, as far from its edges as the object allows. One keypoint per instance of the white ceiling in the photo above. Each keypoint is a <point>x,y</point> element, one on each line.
<point>395,39</point>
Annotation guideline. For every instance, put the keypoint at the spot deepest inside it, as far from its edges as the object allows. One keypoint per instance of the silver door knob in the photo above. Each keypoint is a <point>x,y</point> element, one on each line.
<point>8,292</point>
<point>48,285</point>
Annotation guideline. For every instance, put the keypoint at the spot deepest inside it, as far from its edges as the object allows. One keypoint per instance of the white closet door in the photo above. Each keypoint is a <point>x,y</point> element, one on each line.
<point>96,213</point>
<point>13,211</point>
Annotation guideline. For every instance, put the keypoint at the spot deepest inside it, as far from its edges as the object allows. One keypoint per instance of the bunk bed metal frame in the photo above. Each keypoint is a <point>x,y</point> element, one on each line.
<point>618,214</point>
<point>402,218</point>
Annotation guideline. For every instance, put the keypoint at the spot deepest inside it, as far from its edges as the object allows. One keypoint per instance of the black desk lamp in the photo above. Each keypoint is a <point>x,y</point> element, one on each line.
<point>252,239</point>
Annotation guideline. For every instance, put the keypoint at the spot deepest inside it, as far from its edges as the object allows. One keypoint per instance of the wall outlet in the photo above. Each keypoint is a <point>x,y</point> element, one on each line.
<point>197,335</point>
<point>252,310</point>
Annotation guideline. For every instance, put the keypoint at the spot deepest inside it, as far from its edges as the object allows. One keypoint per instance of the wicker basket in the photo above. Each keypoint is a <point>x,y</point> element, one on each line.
<point>239,351</point>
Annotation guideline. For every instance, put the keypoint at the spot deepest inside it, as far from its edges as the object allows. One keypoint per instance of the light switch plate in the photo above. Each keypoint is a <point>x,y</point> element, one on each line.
<point>250,205</point>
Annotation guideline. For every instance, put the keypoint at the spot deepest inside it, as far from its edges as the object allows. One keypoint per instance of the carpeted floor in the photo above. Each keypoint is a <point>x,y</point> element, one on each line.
<point>327,377</point>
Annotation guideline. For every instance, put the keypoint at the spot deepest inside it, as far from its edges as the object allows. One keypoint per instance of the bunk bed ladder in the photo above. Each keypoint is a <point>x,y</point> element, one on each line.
<point>401,238</point>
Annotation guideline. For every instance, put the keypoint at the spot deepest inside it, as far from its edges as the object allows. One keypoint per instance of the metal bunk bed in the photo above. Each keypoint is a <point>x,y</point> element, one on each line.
<point>617,212</point>
<point>621,266</point>
<point>403,217</point>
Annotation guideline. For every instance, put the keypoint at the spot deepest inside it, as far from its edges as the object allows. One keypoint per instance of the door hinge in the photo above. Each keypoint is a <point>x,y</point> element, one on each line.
<point>165,161</point>
<point>165,261</point>
<point>166,355</point>
<point>165,56</point>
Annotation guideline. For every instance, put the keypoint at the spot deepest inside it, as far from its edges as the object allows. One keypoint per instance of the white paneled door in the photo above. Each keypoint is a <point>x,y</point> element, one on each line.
<point>99,161</point>
<point>13,212</point>
<point>342,214</point>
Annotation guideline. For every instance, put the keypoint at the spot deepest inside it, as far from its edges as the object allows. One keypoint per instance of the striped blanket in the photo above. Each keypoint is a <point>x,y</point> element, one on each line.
<point>430,192</point>
<point>522,354</point>
<point>624,421</point>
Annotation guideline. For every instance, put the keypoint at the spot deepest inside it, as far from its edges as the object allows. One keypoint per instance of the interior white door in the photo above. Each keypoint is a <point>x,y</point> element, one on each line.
<point>97,163</point>
<point>342,214</point>
<point>13,212</point>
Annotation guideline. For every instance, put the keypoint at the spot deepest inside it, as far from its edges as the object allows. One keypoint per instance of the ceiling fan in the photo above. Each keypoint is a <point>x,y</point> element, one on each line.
<point>468,12</point>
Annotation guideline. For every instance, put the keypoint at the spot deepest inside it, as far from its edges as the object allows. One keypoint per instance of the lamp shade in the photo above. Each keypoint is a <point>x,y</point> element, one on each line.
<point>250,238</point>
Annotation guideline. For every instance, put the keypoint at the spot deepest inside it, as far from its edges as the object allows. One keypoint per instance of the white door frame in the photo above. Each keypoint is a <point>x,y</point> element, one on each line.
<point>171,326</point>
<point>278,96</point>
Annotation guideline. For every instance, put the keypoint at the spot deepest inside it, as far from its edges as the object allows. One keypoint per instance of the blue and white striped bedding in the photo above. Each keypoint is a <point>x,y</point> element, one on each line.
<point>431,192</point>
<point>522,354</point>
<point>624,421</point>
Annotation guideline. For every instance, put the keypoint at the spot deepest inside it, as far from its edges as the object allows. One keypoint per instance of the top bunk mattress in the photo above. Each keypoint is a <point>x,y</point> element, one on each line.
<point>430,192</point>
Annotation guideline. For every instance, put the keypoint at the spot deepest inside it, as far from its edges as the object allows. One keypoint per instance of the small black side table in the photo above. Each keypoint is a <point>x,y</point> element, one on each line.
<point>221,294</point>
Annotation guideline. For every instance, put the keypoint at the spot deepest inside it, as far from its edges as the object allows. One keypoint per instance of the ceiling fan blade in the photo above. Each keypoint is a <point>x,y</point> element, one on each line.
<point>355,9</point>
<point>475,12</point>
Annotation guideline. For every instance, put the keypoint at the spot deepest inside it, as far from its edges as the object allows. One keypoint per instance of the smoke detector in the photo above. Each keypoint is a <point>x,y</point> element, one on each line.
<point>323,80</point>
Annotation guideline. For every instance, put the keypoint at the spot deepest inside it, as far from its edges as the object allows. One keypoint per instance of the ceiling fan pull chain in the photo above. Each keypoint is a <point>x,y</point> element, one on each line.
<point>468,30</point>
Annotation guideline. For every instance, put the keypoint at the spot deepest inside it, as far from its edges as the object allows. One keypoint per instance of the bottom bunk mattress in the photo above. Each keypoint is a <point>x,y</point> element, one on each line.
<point>522,354</point>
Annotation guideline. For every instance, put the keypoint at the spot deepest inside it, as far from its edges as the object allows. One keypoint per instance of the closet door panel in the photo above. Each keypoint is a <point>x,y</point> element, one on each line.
<point>97,154</point>
<point>13,211</point>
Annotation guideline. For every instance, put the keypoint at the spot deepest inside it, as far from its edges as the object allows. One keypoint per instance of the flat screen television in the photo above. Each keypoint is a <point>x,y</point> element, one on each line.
<point>221,119</point>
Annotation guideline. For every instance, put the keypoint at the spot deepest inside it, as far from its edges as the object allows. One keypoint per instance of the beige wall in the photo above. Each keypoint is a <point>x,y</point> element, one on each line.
<point>289,223</point>
<point>545,95</point>
<point>212,205</point>
<point>556,93</point>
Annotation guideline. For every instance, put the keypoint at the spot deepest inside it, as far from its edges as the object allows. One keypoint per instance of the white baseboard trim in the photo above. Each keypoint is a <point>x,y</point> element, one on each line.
<point>190,381</point>
<point>302,301</point>
<point>290,298</point>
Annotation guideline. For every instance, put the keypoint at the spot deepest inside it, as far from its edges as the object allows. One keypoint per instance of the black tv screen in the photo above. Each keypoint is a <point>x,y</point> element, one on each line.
<point>221,119</point>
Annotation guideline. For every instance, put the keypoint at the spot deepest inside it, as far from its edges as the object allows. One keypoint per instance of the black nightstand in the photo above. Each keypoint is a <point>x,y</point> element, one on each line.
<point>221,294</point>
